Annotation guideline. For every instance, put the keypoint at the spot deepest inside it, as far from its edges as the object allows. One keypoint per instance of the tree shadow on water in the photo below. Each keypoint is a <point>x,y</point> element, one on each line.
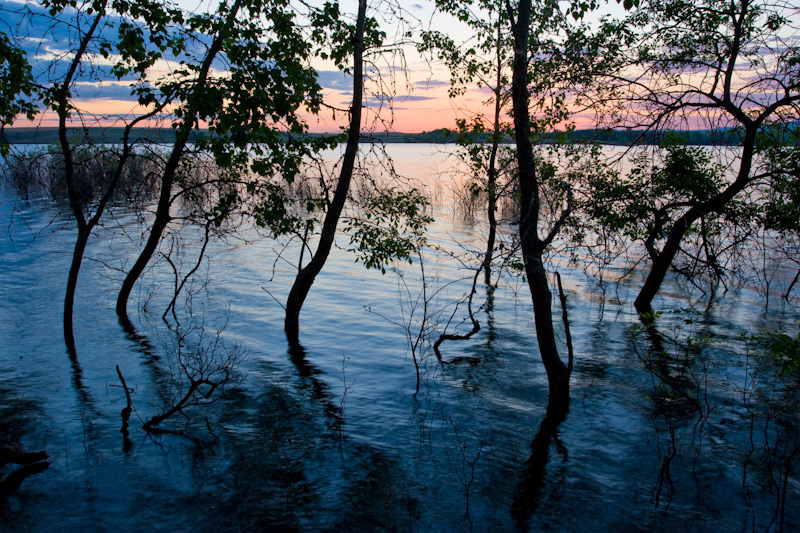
<point>530,490</point>
<point>19,418</point>
<point>150,353</point>
<point>320,391</point>
<point>88,410</point>
<point>77,379</point>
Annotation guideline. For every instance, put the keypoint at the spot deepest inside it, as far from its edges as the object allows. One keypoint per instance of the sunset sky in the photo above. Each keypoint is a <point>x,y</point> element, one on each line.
<point>420,105</point>
<point>418,86</point>
<point>420,101</point>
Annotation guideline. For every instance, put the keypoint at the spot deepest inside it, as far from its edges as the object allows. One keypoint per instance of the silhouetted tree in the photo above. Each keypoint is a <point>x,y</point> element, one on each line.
<point>251,110</point>
<point>553,63</point>
<point>107,31</point>
<point>307,274</point>
<point>716,65</point>
<point>484,63</point>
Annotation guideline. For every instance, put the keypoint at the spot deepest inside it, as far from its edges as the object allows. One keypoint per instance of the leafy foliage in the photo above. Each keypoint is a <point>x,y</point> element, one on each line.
<point>17,88</point>
<point>781,157</point>
<point>786,351</point>
<point>391,229</point>
<point>645,205</point>
<point>644,202</point>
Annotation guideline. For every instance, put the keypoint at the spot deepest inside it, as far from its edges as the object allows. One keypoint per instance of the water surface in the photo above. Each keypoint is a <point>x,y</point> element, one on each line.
<point>340,438</point>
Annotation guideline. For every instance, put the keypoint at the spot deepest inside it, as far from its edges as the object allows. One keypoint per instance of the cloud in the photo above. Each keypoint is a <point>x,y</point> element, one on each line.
<point>47,40</point>
<point>430,84</point>
<point>414,98</point>
<point>106,91</point>
<point>38,33</point>
<point>41,34</point>
<point>335,79</point>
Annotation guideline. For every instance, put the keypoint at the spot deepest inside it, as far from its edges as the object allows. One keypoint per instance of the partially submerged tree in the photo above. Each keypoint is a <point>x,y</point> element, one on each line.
<point>101,31</point>
<point>242,70</point>
<point>365,44</point>
<point>251,111</point>
<point>308,273</point>
<point>532,244</point>
<point>482,63</point>
<point>663,181</point>
<point>553,60</point>
<point>730,67</point>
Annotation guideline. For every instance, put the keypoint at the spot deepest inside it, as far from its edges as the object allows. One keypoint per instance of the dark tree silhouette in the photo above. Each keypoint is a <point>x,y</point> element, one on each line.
<point>94,23</point>
<point>728,67</point>
<point>255,132</point>
<point>307,274</point>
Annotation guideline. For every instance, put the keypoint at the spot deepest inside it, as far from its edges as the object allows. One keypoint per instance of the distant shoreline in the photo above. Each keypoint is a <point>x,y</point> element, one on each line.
<point>98,135</point>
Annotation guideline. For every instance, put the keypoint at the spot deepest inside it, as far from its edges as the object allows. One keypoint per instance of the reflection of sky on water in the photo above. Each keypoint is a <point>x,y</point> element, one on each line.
<point>275,458</point>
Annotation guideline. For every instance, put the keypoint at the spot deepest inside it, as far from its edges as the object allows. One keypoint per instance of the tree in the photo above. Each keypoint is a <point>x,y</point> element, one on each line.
<point>17,88</point>
<point>366,42</point>
<point>531,181</point>
<point>254,131</point>
<point>484,63</point>
<point>251,111</point>
<point>481,61</point>
<point>781,212</point>
<point>662,182</point>
<point>94,22</point>
<point>307,274</point>
<point>727,66</point>
<point>553,59</point>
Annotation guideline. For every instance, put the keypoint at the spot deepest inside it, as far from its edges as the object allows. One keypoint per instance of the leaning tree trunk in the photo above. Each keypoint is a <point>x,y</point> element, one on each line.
<point>491,186</point>
<point>163,216</point>
<point>75,196</point>
<point>85,227</point>
<point>78,202</point>
<point>661,265</point>
<point>663,261</point>
<point>159,224</point>
<point>72,283</point>
<point>306,276</point>
<point>533,247</point>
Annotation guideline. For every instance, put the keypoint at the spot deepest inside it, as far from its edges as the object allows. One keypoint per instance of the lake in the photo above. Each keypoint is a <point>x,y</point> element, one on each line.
<point>687,437</point>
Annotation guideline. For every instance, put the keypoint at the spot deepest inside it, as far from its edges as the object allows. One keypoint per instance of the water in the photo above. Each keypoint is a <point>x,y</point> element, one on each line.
<point>340,439</point>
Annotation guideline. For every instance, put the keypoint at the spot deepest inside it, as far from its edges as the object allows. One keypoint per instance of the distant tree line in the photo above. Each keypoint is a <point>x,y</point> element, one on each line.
<point>620,137</point>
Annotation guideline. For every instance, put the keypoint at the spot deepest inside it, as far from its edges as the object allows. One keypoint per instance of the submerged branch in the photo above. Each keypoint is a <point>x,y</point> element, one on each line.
<point>179,287</point>
<point>126,412</point>
<point>476,326</point>
<point>563,298</point>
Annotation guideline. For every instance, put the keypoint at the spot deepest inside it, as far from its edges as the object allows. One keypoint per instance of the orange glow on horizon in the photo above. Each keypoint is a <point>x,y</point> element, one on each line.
<point>432,110</point>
